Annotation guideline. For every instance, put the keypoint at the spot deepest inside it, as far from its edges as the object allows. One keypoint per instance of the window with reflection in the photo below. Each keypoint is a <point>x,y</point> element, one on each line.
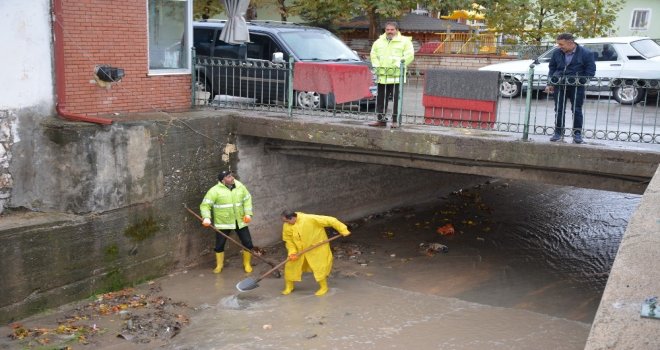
<point>169,40</point>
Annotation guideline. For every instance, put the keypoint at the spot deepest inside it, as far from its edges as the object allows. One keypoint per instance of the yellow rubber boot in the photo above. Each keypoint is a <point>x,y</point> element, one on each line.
<point>246,261</point>
<point>323,284</point>
<point>288,287</point>
<point>220,262</point>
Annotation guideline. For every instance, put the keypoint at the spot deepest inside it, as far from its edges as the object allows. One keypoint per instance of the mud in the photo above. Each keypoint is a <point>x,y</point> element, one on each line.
<point>524,268</point>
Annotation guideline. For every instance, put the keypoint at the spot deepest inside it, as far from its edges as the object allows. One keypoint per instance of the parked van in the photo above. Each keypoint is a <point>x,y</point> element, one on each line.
<point>255,69</point>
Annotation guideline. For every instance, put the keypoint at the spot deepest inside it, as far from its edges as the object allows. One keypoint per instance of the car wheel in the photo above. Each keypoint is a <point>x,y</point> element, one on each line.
<point>309,100</point>
<point>510,88</point>
<point>628,95</point>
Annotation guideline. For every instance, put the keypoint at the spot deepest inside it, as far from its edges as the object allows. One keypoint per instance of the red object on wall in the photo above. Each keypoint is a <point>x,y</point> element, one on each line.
<point>450,111</point>
<point>348,82</point>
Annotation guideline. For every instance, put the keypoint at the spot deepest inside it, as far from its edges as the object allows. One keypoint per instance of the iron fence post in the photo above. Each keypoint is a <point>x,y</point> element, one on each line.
<point>528,102</point>
<point>290,92</point>
<point>402,75</point>
<point>193,77</point>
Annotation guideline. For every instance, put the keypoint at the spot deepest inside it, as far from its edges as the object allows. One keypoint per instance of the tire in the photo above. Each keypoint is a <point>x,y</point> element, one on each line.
<point>628,95</point>
<point>510,88</point>
<point>311,100</point>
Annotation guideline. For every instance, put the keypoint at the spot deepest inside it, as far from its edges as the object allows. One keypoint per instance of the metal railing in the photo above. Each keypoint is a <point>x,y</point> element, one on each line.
<point>464,44</point>
<point>614,109</point>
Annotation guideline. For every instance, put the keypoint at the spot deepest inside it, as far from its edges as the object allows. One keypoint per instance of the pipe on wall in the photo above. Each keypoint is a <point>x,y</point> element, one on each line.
<point>60,76</point>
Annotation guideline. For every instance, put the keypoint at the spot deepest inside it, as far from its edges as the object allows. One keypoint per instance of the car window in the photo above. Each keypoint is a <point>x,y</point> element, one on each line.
<point>226,50</point>
<point>202,41</point>
<point>318,45</point>
<point>647,47</point>
<point>262,47</point>
<point>546,56</point>
<point>602,52</point>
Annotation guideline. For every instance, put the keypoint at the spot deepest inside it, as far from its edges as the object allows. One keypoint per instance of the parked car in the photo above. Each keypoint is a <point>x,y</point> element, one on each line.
<point>628,66</point>
<point>254,70</point>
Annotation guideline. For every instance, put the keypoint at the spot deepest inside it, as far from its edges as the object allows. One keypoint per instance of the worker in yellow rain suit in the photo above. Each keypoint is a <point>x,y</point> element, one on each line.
<point>301,231</point>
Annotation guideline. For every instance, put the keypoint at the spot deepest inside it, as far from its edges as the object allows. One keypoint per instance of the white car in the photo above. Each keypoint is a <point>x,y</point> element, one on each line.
<point>628,66</point>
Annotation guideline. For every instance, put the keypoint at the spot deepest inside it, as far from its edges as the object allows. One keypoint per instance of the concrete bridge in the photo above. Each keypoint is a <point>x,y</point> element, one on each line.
<point>602,165</point>
<point>125,210</point>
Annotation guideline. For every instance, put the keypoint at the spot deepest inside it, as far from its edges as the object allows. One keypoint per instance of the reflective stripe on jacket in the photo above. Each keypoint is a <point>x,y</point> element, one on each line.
<point>228,206</point>
<point>386,56</point>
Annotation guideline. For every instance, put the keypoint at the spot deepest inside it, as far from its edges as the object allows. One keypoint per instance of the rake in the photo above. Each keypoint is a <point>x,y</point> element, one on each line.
<point>277,274</point>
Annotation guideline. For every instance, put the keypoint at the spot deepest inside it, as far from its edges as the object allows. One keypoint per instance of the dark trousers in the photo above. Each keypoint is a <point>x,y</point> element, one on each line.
<point>385,92</point>
<point>243,235</point>
<point>575,94</point>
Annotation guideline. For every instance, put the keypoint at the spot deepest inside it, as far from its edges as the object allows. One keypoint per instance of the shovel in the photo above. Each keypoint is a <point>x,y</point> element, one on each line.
<point>251,283</point>
<point>277,274</point>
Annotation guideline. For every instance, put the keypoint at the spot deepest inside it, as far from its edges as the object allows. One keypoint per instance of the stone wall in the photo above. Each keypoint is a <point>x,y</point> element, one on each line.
<point>6,142</point>
<point>124,188</point>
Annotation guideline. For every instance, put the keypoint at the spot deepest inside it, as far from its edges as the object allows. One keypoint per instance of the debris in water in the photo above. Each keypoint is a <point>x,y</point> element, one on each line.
<point>446,230</point>
<point>431,249</point>
<point>388,234</point>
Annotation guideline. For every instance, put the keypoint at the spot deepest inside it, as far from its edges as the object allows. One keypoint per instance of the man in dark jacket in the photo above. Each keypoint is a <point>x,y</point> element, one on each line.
<point>570,69</point>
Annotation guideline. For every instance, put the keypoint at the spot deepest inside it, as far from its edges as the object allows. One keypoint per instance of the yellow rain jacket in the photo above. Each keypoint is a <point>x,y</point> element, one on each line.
<point>229,206</point>
<point>386,56</point>
<point>308,230</point>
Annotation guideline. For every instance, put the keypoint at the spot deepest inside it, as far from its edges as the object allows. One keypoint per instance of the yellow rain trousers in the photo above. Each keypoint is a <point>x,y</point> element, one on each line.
<point>308,230</point>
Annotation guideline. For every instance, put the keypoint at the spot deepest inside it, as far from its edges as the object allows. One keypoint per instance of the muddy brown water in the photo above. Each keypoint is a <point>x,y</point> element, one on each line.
<point>525,269</point>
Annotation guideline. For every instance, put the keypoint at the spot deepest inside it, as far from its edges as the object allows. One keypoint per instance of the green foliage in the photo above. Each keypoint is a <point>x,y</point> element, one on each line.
<point>142,230</point>
<point>321,13</point>
<point>329,11</point>
<point>538,20</point>
<point>204,9</point>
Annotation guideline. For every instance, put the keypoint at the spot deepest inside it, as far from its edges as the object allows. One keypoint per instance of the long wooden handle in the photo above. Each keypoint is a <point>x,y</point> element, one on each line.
<point>229,238</point>
<point>298,254</point>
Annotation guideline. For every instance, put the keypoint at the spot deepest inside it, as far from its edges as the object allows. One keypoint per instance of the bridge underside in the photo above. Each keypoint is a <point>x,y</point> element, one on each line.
<point>465,151</point>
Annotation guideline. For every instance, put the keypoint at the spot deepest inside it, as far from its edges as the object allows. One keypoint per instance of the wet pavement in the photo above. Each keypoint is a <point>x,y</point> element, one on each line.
<point>503,265</point>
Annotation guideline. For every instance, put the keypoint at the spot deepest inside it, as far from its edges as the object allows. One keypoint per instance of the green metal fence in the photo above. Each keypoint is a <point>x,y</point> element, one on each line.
<point>614,109</point>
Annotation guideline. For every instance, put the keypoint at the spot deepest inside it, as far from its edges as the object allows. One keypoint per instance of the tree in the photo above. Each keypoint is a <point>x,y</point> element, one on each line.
<point>205,9</point>
<point>322,12</point>
<point>597,19</point>
<point>328,11</point>
<point>536,20</point>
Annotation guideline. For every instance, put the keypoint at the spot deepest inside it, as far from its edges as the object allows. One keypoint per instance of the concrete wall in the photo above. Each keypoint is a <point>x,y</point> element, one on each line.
<point>27,81</point>
<point>138,175</point>
<point>634,277</point>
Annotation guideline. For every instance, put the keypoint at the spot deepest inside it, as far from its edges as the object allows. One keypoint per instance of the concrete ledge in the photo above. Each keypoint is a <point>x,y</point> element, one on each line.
<point>465,151</point>
<point>634,277</point>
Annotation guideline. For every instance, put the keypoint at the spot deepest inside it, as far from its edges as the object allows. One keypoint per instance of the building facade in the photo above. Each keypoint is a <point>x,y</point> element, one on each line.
<point>639,17</point>
<point>83,61</point>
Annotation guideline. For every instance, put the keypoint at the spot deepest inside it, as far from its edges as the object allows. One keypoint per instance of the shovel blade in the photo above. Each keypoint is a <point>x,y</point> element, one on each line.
<point>247,284</point>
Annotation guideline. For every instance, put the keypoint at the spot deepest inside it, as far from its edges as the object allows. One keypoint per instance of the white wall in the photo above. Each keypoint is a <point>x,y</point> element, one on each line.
<point>622,24</point>
<point>26,70</point>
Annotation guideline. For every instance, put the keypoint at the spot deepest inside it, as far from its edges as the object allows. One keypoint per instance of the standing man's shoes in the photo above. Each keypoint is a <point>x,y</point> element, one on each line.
<point>556,137</point>
<point>577,138</point>
<point>378,123</point>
